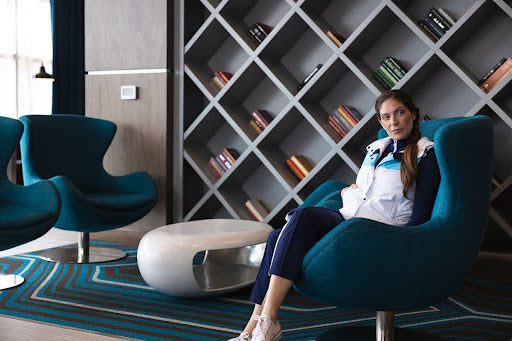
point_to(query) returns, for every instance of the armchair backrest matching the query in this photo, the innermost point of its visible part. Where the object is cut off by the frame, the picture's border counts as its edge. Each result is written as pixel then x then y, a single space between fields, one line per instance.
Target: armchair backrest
pixel 464 151
pixel 69 145
pixel 10 132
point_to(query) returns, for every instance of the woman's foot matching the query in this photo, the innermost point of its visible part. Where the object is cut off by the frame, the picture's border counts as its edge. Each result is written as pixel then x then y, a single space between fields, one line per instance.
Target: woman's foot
pixel 266 330
pixel 244 336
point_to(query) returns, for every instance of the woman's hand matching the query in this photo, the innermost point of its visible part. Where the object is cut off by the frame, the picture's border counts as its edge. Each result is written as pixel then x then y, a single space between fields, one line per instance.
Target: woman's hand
pixel 345 189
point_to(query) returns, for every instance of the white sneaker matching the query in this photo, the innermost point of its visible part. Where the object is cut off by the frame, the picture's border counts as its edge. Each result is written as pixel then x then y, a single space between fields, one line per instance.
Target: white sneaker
pixel 266 330
pixel 244 336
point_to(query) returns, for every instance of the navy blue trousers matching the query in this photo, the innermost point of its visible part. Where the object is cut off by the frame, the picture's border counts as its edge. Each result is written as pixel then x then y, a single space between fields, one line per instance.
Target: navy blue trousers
pixel 287 246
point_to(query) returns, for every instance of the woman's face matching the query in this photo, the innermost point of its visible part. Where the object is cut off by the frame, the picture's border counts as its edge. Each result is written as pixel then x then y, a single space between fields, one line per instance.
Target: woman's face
pixel 396 119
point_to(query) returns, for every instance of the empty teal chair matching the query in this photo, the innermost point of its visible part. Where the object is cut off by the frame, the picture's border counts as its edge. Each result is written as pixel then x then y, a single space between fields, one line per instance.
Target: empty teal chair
pixel 26 212
pixel 68 150
pixel 364 264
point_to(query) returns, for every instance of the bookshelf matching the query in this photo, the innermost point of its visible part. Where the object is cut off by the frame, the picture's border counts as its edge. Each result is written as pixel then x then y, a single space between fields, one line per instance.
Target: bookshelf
pixel 442 77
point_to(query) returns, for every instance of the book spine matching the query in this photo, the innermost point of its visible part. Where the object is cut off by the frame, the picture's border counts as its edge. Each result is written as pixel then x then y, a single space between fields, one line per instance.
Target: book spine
pixel 255 126
pixel 394 69
pixel 389 75
pixel 302 164
pixel 397 64
pixel 225 76
pixel 491 71
pixel 338 126
pixel 433 27
pixel 294 169
pixel 377 77
pixel 262 28
pixel 308 78
pixel 388 81
pixel 342 122
pixel 500 73
pixel 428 31
pixel 253 32
pixel 357 115
pixel 215 166
pixel 335 127
pixel 217 83
pixel 438 20
pixel 258 119
pixel 334 38
pixel 349 114
pixel 441 19
pixel 446 16
pixel 221 164
pixel 265 27
pixel 265 116
pixel 232 153
pixel 225 159
pixel 259 206
pixel 250 208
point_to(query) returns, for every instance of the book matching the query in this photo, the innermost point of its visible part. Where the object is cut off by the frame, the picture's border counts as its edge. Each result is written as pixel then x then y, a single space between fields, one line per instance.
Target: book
pixel 264 115
pixel 254 36
pixel 221 164
pixel 399 67
pixel 255 115
pixel 432 26
pixel 215 166
pixel 255 126
pixel 231 153
pixel 335 37
pixel 388 74
pixel 308 78
pixel 385 78
pixel 224 76
pixel 302 164
pixel 349 113
pixel 446 16
pixel 294 169
pixel 264 28
pixel 260 33
pixel 357 115
pixel 257 209
pixel 225 159
pixel 335 126
pixel 438 19
pixel 381 81
pixel 397 71
pixel 342 121
pixel 497 76
pixel 428 31
pixel 491 71
pixel 347 116
pixel 218 83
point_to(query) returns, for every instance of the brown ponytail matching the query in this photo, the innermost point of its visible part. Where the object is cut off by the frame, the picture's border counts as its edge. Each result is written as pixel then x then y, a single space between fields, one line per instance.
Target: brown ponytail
pixel 409 163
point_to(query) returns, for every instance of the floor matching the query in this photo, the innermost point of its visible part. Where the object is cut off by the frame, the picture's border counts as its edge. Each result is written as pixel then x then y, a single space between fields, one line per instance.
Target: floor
pixel 488 266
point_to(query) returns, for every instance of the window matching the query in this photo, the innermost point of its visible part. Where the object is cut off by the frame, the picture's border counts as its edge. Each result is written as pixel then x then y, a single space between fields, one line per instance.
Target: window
pixel 25 43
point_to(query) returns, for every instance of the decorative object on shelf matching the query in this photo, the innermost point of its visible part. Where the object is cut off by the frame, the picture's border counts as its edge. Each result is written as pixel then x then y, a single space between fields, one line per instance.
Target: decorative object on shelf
pixel 308 78
pixel 496 74
pixel 42 74
pixel 256 209
pixel 258 32
pixel 221 78
pixel 223 162
pixel 436 23
pixel 335 37
pixel 299 165
pixel 389 72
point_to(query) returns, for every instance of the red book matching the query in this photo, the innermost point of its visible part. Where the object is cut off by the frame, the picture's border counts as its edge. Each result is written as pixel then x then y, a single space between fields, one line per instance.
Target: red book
pixel 224 76
pixel 259 119
pixel 336 127
pixel 215 166
pixel 295 169
pixel 345 113
pixel 497 76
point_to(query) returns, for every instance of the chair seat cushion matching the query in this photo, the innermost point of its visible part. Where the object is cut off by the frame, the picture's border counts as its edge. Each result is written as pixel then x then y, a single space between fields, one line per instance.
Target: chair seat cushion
pixel 12 217
pixel 118 201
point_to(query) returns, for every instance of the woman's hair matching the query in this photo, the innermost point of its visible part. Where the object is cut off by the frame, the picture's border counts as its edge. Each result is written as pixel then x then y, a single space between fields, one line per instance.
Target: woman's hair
pixel 409 163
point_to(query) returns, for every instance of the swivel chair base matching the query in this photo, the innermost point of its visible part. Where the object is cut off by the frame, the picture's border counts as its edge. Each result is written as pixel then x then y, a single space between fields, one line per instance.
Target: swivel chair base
pixel 10 281
pixel 82 253
pixel 384 331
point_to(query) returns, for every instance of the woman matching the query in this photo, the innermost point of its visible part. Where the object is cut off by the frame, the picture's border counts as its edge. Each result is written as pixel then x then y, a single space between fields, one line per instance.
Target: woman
pixel 397 185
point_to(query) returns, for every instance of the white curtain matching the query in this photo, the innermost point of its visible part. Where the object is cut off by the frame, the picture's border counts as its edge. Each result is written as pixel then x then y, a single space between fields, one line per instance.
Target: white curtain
pixel 25 43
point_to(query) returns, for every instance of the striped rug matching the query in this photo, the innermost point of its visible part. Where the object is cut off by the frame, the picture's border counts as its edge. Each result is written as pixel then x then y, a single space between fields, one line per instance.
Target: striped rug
pixel 113 299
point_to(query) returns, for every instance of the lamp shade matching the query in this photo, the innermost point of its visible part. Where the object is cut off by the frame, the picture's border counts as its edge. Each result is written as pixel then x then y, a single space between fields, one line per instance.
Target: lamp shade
pixel 42 74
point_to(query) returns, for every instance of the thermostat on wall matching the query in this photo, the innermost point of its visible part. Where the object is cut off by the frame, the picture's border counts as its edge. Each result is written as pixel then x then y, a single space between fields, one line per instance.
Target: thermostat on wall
pixel 128 92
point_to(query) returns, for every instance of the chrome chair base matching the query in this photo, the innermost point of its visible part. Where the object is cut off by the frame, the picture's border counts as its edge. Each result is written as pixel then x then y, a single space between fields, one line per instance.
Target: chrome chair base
pixel 10 281
pixel 73 255
pixel 367 333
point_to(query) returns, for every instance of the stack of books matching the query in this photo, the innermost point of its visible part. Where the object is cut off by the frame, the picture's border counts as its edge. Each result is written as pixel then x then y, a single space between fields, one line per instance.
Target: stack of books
pixel 335 37
pixel 299 166
pixel 308 78
pixel 222 162
pixel 496 74
pixel 258 32
pixel 260 120
pixel 389 72
pixel 343 119
pixel 256 209
pixel 221 78
pixel 437 23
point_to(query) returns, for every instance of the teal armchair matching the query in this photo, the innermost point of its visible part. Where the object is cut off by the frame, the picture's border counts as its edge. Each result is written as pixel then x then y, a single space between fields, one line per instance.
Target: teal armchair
pixel 26 212
pixel 68 150
pixel 364 264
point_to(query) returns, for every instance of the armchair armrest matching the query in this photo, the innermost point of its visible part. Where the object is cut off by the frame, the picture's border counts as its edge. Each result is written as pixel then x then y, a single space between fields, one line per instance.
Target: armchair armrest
pixel 329 190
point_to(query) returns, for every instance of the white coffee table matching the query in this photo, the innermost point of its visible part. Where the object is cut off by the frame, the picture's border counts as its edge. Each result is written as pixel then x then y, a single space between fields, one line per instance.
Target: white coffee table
pixel 234 249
